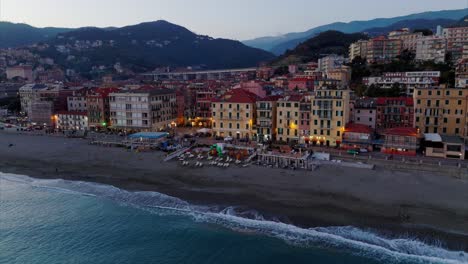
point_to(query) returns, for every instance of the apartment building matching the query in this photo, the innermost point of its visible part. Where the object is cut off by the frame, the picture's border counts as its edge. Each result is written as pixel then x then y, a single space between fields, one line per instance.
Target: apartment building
pixel 77 101
pixel 27 94
pixel 407 80
pixel 266 118
pixel 330 114
pixel 98 107
pixel 143 110
pixel 330 62
pixel 358 49
pixel 441 110
pixel 234 115
pixel 456 38
pixel 431 48
pixel 287 118
pixel 394 112
pixel 409 40
pixel 68 120
pixel 382 50
pixel 364 112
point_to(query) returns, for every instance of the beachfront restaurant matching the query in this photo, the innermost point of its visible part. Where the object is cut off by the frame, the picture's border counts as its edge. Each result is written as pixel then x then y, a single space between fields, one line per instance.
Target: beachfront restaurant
pixel 146 140
pixel 441 146
pixel 358 136
pixel 401 141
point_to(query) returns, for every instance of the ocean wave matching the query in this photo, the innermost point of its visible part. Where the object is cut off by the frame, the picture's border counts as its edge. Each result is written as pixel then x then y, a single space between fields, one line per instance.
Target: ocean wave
pixel 366 243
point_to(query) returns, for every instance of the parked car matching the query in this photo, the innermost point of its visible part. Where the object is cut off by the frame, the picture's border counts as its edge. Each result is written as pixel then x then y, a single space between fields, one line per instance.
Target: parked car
pixel 353 152
pixel 228 139
pixel 363 150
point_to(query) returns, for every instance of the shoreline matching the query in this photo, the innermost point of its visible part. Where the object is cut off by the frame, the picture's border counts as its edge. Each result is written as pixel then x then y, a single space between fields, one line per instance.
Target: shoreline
pixel 395 201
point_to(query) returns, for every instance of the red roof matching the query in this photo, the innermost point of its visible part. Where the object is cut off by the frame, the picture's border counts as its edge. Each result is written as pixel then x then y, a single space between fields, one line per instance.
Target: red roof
pixel 408 101
pixel 402 131
pixel 358 128
pixel 103 92
pixel 237 96
pixel 271 98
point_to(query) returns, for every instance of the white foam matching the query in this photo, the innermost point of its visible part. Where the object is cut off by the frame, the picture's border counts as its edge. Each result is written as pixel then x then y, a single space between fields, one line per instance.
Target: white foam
pixel 349 239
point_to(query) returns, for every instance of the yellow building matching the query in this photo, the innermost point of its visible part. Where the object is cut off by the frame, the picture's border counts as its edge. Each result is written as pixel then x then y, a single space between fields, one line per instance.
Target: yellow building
pixel 441 110
pixel 287 118
pixel 234 115
pixel 330 114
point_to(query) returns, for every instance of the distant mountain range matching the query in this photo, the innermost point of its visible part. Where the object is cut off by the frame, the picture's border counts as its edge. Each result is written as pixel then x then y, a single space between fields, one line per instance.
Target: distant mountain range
pixel 16 35
pixel 146 46
pixel 328 42
pixel 279 44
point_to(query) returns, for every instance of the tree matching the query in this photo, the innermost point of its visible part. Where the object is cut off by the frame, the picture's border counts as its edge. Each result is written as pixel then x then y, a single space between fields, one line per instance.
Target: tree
pixel 425 31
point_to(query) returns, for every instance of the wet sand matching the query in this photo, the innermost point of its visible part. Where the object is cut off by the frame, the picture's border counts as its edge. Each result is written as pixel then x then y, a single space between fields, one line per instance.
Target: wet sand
pixel 427 204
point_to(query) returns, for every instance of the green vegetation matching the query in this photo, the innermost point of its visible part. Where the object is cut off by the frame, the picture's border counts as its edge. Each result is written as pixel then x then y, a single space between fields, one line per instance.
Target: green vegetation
pixel 329 42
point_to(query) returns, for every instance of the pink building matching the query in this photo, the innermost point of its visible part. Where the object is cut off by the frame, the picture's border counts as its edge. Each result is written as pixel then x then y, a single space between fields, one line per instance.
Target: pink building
pixel 254 87
pixel 301 84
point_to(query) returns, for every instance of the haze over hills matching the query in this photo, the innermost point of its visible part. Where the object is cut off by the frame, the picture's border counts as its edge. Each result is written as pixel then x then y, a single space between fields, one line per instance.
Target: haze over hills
pixel 148 45
pixel 279 44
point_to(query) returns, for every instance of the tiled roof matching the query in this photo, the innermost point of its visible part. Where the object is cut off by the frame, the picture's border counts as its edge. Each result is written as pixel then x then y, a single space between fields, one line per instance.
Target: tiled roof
pixel 237 96
pixel 358 128
pixel 407 100
pixel 402 131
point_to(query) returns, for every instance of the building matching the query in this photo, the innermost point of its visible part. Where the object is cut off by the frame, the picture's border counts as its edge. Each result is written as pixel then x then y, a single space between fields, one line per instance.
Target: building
pixel 42 113
pixel 407 81
pixel 447 147
pixel 342 74
pixel 330 114
pixel 431 48
pixel 358 49
pixel 67 120
pixel 330 62
pixel 143 110
pixel 266 118
pixel 98 107
pixel 24 72
pixel 401 141
pixel 77 101
pixel 255 87
pixel 301 84
pixel 461 74
pixel 441 110
pixel 9 90
pixel 287 118
pixel 358 136
pixel 394 112
pixel 456 38
pixel 305 113
pixel 409 40
pixel 203 99
pixel 382 50
pixel 364 112
pixel 234 115
pixel 28 93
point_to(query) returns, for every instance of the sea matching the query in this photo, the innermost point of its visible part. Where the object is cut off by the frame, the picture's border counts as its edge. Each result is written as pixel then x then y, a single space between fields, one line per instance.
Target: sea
pixel 59 221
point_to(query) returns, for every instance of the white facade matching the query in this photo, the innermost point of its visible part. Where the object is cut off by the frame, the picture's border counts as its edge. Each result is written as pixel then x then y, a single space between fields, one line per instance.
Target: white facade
pixel 330 62
pixel 431 48
pixel 72 121
pixel 130 110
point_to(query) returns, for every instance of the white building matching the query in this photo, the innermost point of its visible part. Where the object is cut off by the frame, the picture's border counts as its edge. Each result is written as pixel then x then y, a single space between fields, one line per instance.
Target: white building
pixel 358 49
pixel 77 121
pixel 77 101
pixel 330 62
pixel 28 94
pixel 431 48
pixel 143 110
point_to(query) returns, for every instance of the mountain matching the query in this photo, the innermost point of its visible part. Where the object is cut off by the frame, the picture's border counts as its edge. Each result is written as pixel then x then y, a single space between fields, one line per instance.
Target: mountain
pixel 149 45
pixel 411 24
pixel 16 35
pixel 461 23
pixel 280 44
pixel 328 42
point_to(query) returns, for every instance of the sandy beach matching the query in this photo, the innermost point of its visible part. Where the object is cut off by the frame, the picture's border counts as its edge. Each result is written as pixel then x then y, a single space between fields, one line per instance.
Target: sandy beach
pixel 421 202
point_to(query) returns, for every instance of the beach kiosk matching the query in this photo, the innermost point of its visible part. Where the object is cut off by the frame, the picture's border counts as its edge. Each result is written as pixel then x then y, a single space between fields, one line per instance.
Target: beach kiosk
pixel 146 140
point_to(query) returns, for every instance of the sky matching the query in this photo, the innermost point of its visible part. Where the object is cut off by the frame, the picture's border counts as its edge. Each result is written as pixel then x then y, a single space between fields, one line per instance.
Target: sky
pixel 235 19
